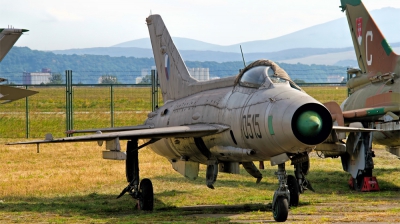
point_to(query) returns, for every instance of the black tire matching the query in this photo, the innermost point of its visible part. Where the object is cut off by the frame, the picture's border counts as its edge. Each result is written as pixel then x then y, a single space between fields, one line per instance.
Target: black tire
pixel 281 209
pixel 305 167
pixel 294 190
pixel 146 196
pixel 359 182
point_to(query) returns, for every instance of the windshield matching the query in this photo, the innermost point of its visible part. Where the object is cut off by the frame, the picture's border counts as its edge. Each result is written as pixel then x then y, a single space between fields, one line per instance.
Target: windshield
pixel 257 76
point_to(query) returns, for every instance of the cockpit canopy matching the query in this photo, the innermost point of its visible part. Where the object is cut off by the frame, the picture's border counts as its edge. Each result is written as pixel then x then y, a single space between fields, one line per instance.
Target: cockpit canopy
pixel 257 76
pixel 263 73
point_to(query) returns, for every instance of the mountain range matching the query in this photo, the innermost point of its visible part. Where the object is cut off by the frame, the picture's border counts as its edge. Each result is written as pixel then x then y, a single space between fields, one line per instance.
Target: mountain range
pixel 332 34
pixel 331 40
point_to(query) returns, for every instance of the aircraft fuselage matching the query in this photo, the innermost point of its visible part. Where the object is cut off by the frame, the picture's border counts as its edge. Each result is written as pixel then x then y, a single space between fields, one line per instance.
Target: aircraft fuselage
pixel 382 96
pixel 260 122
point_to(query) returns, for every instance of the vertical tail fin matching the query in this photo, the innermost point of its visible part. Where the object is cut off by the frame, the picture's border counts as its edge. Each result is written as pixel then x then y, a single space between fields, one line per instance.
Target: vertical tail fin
pixel 172 72
pixel 373 52
pixel 8 37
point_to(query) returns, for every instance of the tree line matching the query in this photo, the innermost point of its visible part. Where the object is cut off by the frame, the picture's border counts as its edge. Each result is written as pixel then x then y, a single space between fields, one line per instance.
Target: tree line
pixel 87 69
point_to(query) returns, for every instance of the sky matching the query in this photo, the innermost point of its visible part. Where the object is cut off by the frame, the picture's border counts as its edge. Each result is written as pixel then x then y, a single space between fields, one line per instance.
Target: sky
pixel 66 24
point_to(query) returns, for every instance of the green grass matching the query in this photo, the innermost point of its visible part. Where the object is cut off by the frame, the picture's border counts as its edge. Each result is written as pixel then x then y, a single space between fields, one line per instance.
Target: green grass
pixel 327 93
pixel 92 108
pixel 70 183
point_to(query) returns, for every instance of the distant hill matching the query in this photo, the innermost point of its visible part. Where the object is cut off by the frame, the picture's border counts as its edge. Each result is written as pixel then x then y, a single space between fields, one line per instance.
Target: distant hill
pixel 328 43
pixel 110 51
pixel 345 58
pixel 181 42
pixel 333 34
pixel 192 55
pixel 324 56
pixel 88 68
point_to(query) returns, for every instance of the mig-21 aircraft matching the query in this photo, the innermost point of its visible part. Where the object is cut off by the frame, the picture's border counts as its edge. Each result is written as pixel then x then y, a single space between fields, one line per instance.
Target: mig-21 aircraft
pixel 258 115
pixel 8 37
pixel 375 94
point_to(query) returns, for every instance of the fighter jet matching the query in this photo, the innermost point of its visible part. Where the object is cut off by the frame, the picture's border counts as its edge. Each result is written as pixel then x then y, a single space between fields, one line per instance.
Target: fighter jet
pixel 258 115
pixel 8 37
pixel 375 93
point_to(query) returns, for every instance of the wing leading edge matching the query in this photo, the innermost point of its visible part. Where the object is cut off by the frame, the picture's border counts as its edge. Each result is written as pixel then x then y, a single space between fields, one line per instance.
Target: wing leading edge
pixel 198 130
pixel 354 129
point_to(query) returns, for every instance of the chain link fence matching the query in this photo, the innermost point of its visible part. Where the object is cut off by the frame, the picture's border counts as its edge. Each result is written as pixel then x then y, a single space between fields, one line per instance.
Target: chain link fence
pixel 61 107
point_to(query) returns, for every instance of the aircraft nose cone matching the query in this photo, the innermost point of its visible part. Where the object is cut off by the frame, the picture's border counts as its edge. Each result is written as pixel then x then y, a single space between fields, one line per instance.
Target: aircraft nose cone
pixel 309 124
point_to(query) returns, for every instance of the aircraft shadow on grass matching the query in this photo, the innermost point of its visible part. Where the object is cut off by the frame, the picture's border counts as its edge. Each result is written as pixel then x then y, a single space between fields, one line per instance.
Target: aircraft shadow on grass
pixel 324 182
pixel 92 205
pixel 96 205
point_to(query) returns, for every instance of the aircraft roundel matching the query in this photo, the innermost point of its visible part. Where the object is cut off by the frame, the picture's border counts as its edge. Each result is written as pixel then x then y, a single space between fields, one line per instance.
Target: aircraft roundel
pixel 166 59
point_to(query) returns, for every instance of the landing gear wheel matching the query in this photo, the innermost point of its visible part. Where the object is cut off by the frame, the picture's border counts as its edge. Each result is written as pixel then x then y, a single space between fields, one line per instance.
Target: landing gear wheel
pixel 305 167
pixel 146 196
pixel 281 209
pixel 358 182
pixel 294 190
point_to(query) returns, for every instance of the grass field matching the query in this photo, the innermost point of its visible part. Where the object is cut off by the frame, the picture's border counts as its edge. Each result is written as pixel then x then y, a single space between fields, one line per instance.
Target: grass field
pixel 92 108
pixel 70 183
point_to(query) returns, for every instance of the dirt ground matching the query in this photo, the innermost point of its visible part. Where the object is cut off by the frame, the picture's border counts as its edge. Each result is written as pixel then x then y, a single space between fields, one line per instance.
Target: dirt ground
pixel 357 212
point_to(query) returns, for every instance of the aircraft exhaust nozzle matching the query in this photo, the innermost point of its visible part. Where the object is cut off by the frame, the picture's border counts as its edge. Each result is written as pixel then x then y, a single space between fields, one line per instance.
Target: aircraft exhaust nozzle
pixel 312 123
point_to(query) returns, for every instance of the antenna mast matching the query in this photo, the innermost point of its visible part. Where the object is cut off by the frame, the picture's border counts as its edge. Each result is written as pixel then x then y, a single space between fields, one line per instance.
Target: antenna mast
pixel 244 63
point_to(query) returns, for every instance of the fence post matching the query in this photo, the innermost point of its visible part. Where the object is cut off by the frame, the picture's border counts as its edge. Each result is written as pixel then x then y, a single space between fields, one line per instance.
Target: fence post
pixel 348 89
pixel 26 115
pixel 112 104
pixel 68 101
pixel 154 90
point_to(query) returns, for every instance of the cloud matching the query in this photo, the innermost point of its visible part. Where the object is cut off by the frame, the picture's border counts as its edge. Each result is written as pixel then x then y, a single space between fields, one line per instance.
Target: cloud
pixel 63 15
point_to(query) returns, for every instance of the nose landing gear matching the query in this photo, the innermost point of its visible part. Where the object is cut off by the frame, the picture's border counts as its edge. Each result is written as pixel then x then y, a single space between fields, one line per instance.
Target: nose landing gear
pixel 280 205
pixel 290 187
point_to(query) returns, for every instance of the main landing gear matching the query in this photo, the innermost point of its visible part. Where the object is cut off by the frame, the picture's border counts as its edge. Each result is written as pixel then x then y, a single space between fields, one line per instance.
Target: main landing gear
pixel 358 161
pixel 142 192
pixel 290 187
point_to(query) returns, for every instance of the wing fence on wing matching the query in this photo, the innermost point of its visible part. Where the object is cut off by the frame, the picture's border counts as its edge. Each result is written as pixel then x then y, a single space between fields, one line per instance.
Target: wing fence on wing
pixel 114 129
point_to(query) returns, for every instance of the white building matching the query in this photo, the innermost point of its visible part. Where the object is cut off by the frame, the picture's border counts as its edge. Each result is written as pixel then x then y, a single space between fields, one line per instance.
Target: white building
pixel 143 73
pixel 111 77
pixel 335 78
pixel 201 74
pixel 138 80
pixel 37 78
